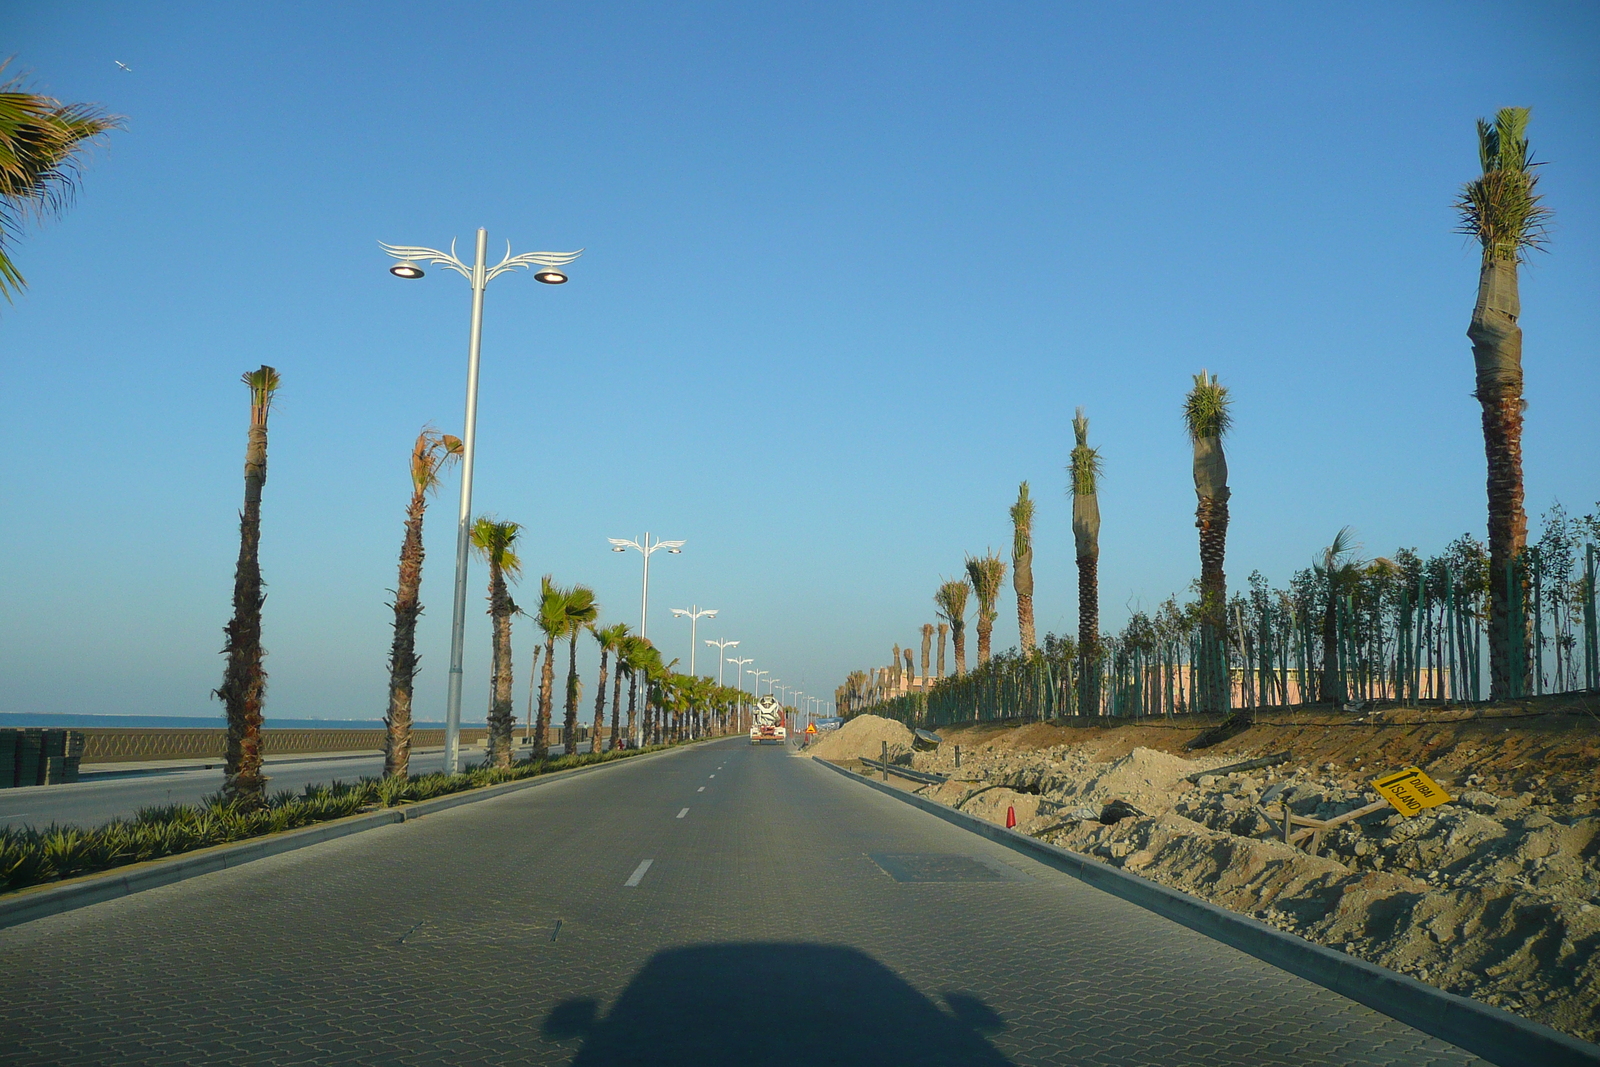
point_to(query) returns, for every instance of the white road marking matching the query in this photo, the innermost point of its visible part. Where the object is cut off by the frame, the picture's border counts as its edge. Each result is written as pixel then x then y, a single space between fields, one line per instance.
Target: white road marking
pixel 702 789
pixel 682 813
pixel 713 776
pixel 638 874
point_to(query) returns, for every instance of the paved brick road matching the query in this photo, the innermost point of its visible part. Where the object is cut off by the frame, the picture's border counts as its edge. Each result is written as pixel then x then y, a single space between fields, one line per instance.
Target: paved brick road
pixel 762 932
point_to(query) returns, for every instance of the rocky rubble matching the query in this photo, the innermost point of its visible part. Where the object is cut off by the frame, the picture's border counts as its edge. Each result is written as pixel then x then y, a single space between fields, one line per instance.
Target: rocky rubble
pixel 1489 896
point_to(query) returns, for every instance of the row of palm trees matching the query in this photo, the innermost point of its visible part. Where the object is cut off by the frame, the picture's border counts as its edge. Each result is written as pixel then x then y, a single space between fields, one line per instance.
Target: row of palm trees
pixel 1502 210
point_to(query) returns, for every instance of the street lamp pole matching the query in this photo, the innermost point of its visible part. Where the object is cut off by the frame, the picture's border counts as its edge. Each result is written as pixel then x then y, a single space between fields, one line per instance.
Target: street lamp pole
pixel 646 549
pixel 741 661
pixel 722 654
pixel 694 614
pixel 480 274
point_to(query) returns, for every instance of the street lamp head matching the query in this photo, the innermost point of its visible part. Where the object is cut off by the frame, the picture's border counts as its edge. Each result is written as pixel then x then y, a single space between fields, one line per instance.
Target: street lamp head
pixel 406 269
pixel 550 276
pixel 619 548
pixel 675 551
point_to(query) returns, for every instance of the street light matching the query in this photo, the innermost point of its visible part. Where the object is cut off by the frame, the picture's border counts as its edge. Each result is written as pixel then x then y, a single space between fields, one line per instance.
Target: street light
pixel 740 686
pixel 646 549
pixel 480 274
pixel 757 676
pixel 722 654
pixel 694 615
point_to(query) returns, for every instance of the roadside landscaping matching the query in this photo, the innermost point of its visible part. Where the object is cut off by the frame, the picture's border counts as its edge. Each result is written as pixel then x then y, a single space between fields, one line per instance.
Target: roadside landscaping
pixel 31 857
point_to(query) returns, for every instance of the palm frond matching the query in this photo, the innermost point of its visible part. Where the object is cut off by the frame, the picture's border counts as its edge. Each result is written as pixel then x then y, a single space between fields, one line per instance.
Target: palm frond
pixel 1502 208
pixel 1085 465
pixel 495 543
pixel 987 573
pixel 1022 521
pixel 1206 409
pixel 951 600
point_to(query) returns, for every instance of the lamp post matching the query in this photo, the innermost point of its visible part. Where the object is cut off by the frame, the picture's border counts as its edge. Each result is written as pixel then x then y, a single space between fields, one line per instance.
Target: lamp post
pixel 722 654
pixel 772 686
pixel 757 683
pixel 480 274
pixel 741 661
pixel 694 615
pixel 646 549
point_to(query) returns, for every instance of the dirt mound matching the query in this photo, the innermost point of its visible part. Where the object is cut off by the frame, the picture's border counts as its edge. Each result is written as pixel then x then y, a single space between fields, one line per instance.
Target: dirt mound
pixel 864 735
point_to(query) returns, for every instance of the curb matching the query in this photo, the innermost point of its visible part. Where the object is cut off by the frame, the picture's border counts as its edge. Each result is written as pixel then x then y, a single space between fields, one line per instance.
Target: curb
pixel 54 898
pixel 1492 1033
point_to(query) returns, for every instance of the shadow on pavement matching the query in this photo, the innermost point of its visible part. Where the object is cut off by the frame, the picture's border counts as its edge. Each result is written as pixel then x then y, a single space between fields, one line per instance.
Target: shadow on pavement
pixel 776 1005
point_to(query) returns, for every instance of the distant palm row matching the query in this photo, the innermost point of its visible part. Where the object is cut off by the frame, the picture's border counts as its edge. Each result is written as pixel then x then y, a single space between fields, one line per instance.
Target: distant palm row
pixel 675 706
pixel 1502 210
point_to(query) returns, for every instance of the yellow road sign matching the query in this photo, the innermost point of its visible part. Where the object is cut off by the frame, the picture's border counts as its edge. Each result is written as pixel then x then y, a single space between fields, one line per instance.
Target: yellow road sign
pixel 1410 791
pixel 811 728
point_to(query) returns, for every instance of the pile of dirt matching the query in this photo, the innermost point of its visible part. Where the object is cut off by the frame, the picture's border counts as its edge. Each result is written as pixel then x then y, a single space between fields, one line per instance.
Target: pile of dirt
pixel 864 735
pixel 1490 896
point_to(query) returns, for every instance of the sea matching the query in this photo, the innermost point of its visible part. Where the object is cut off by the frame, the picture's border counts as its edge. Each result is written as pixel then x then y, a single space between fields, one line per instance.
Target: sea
pixel 186 722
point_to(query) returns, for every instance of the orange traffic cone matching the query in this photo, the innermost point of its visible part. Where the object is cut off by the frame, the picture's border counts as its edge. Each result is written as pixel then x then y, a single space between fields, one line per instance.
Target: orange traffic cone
pixel 1011 817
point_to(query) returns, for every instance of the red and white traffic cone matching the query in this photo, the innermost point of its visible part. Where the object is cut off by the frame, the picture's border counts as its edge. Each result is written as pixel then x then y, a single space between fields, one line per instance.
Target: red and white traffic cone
pixel 1011 817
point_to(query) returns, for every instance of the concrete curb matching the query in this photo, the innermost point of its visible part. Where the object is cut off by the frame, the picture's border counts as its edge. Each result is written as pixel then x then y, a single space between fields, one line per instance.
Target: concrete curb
pixel 53 898
pixel 1498 1036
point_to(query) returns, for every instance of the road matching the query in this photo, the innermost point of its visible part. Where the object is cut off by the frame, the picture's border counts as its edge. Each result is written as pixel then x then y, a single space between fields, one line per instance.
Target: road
pixel 100 798
pixel 719 904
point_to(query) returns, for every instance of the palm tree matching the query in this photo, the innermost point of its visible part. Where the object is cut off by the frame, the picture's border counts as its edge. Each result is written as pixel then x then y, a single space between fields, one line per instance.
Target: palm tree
pixel 927 645
pixel 944 628
pixel 623 651
pixel 1339 572
pixel 1501 209
pixel 244 681
pixel 495 542
pixel 1022 566
pixel 42 142
pixel 609 639
pixel 1085 471
pixel 429 456
pixel 951 600
pixel 581 611
pixel 987 574
pixel 1207 417
pixel 551 618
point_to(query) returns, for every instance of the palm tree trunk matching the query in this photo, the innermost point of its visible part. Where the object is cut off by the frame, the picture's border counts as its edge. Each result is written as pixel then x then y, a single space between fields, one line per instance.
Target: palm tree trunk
pixel 403 653
pixel 1088 634
pixel 500 608
pixel 958 637
pixel 244 681
pixel 569 726
pixel 1497 353
pixel 599 704
pixel 943 629
pixel 541 730
pixel 985 632
pixel 1211 517
pixel 633 704
pixel 616 710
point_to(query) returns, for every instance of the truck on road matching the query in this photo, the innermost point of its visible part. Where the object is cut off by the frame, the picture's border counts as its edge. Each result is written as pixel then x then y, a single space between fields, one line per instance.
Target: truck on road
pixel 766 722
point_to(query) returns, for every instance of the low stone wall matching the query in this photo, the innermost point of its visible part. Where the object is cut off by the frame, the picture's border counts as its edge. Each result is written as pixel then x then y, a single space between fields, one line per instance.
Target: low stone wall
pixel 137 745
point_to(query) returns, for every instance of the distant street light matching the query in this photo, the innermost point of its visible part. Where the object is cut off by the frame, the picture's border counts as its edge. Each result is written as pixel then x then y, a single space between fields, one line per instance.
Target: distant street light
pixel 646 549
pixel 740 686
pixel 694 615
pixel 757 684
pixel 480 274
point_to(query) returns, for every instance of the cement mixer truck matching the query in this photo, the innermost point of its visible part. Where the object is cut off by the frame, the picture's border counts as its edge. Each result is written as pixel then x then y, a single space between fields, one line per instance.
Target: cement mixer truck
pixel 766 722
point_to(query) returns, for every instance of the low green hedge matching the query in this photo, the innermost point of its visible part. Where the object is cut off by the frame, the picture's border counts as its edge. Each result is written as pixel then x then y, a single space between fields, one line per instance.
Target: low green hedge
pixel 31 857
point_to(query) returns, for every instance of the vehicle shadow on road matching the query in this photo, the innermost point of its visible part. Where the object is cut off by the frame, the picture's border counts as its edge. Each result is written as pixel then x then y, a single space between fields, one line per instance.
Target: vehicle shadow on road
pixel 776 1005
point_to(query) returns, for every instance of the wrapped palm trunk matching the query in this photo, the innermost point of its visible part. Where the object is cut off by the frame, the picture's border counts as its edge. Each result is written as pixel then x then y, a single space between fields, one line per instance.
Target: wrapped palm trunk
pixel 1022 568
pixel 1497 353
pixel 244 680
pixel 403 654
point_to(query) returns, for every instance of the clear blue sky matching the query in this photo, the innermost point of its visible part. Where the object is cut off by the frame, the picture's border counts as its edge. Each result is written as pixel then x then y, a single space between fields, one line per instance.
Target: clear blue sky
pixel 849 270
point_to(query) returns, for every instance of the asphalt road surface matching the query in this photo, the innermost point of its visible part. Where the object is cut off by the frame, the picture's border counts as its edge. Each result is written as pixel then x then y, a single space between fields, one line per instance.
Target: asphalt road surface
pixel 100 798
pixel 720 904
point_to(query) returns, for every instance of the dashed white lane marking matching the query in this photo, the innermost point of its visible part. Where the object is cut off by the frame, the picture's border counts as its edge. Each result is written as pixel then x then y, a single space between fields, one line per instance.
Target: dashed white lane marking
pixel 638 875
pixel 682 813
pixel 713 776
pixel 702 789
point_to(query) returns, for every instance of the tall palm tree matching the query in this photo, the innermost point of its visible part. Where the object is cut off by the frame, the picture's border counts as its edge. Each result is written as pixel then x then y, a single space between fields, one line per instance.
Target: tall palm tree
pixel 1339 572
pixel 495 543
pixel 987 574
pixel 1022 567
pixel 622 652
pixel 581 611
pixel 927 646
pixel 551 618
pixel 42 143
pixel 1502 209
pixel 944 628
pixel 429 456
pixel 609 638
pixel 1207 416
pixel 244 681
pixel 1085 471
pixel 951 600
